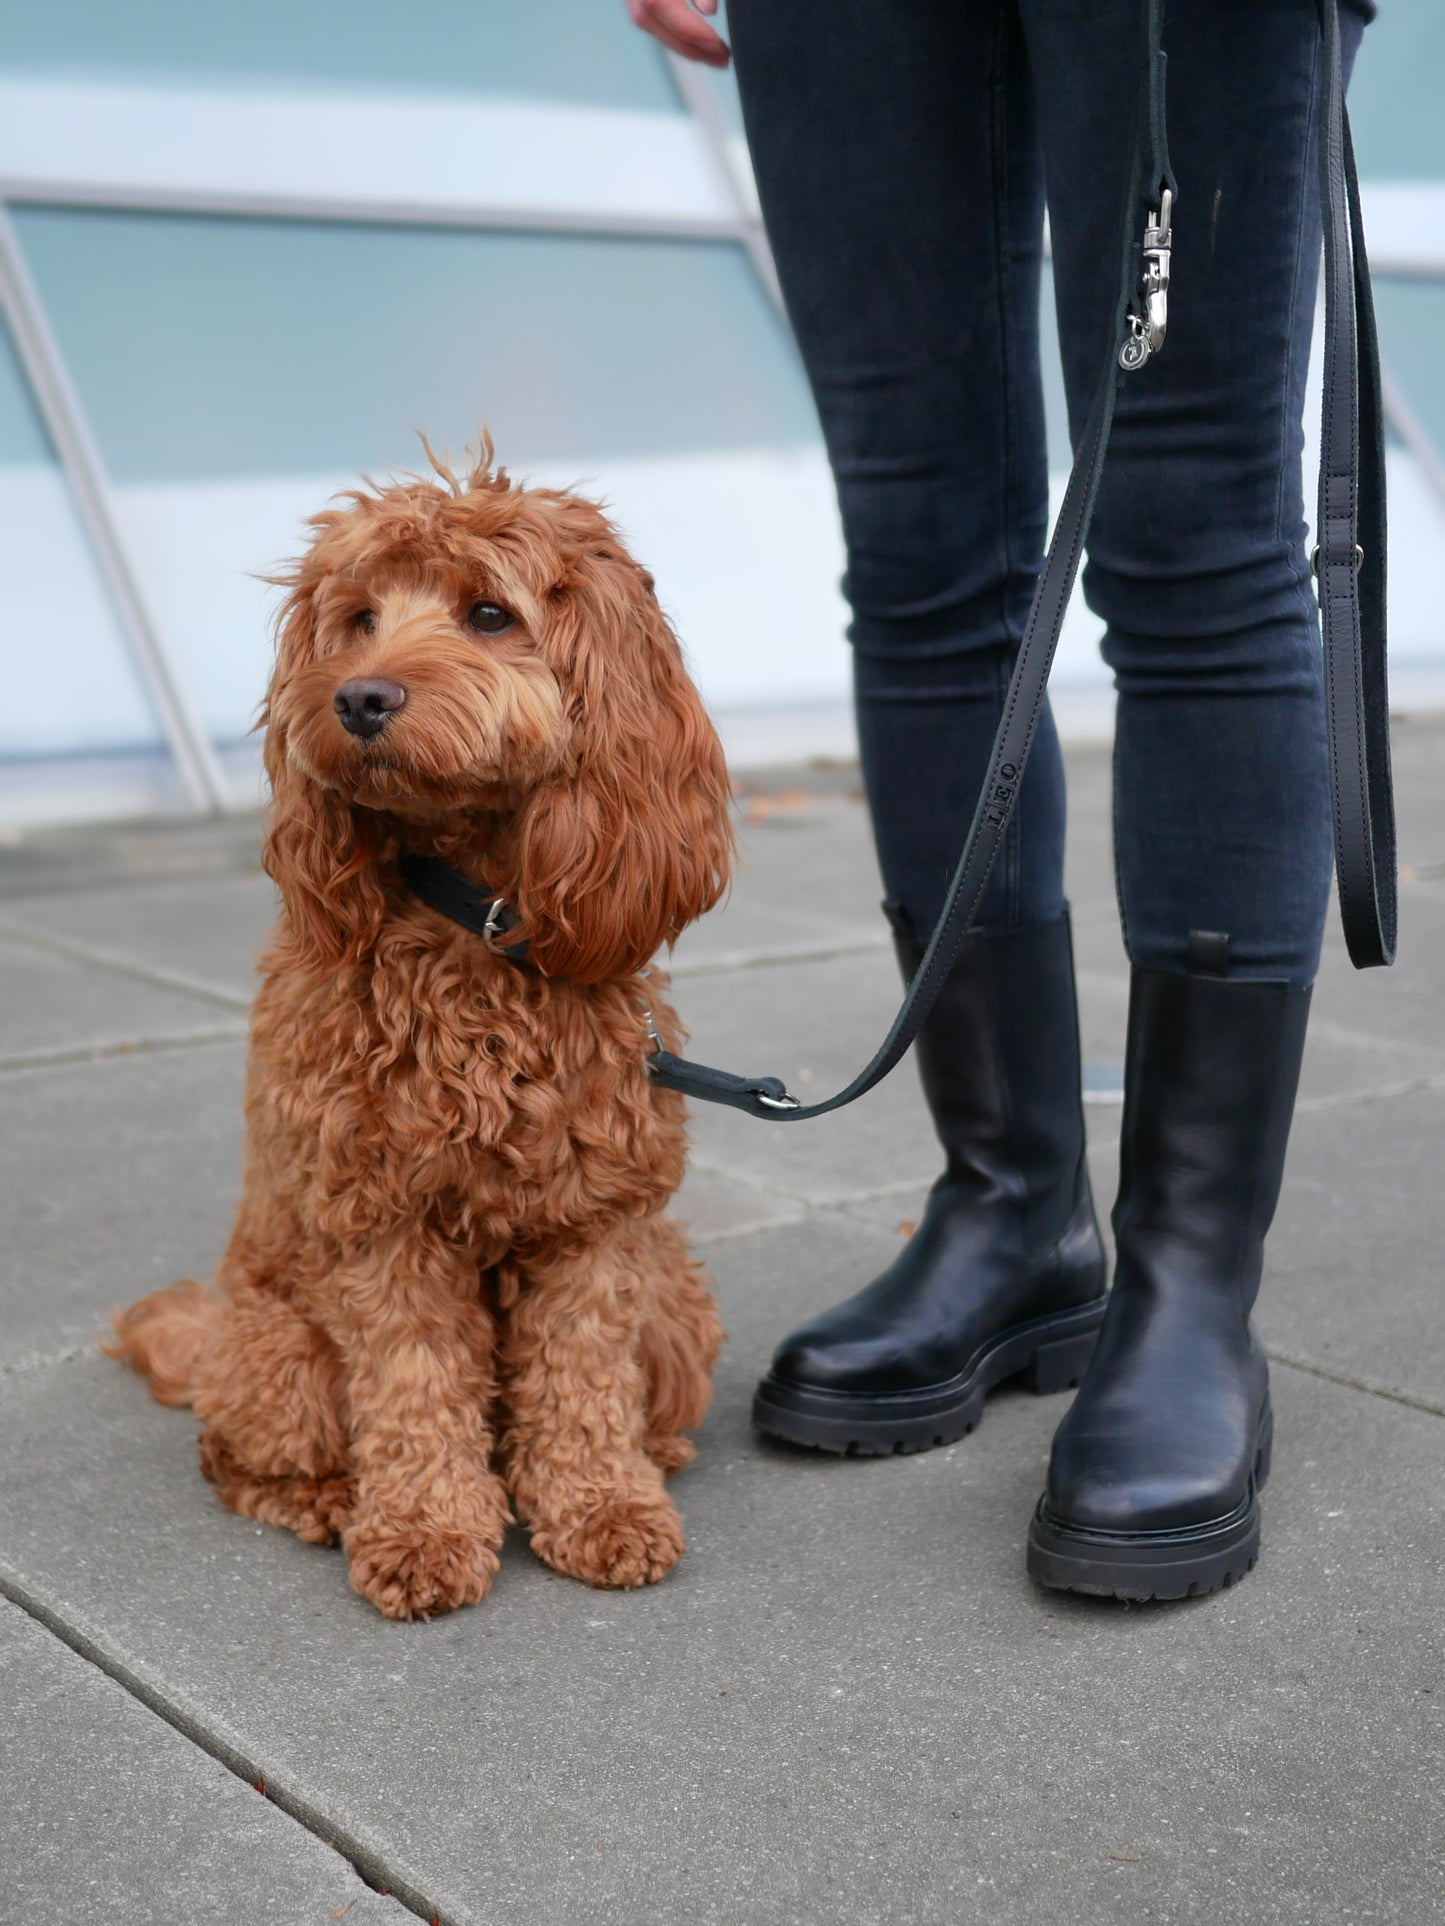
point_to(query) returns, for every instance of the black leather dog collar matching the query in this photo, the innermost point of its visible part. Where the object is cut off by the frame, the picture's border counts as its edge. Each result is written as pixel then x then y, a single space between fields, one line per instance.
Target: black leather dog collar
pixel 457 897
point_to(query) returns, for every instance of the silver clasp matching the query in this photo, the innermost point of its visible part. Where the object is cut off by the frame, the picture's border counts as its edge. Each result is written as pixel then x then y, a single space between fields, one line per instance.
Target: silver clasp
pixel 653 1035
pixel 1149 318
pixel 785 1102
pixel 492 928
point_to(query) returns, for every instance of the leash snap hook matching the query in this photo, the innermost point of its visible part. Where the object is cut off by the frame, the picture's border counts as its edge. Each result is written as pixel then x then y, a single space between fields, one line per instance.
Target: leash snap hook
pixel 785 1102
pixel 494 927
pixel 1149 317
pixel 653 1035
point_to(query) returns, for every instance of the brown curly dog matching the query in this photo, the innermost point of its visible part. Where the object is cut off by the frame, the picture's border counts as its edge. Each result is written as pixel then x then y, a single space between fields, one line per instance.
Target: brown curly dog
pixel 451 1287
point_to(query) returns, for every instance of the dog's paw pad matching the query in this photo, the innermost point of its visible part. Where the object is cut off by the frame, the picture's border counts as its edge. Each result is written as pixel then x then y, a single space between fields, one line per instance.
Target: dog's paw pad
pixel 414 1573
pixel 622 1544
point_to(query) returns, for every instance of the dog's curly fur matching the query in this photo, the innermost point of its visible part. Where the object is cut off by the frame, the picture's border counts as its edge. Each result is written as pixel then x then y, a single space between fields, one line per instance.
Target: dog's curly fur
pixel 451 1287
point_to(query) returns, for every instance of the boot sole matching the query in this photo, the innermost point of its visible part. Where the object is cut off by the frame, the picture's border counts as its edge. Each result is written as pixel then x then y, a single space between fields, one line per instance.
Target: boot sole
pixel 1148 1565
pixel 1049 1354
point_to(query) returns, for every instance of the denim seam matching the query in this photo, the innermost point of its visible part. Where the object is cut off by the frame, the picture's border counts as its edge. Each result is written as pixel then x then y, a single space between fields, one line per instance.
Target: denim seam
pixel 1002 232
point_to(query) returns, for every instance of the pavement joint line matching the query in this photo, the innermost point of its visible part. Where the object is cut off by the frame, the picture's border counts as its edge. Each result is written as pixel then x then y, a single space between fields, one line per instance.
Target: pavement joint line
pixel 64 1056
pixel 1380 1093
pixel 705 1240
pixel 120 965
pixel 364 1859
pixel 732 1174
pixel 729 962
pixel 1346 1033
pixel 1351 1381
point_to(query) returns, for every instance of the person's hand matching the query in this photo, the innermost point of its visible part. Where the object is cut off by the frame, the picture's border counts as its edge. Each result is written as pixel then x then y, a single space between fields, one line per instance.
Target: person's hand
pixel 679 26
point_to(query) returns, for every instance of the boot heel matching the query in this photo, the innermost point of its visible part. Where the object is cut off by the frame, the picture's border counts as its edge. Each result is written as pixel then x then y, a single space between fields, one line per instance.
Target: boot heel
pixel 1060 1366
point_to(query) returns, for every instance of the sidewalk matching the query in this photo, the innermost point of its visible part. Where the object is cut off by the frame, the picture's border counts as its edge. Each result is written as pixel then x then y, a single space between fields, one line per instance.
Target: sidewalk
pixel 848 1704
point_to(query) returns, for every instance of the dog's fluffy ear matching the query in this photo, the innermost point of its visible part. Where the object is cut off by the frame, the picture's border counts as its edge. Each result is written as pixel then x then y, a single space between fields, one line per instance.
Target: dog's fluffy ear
pixel 632 841
pixel 316 851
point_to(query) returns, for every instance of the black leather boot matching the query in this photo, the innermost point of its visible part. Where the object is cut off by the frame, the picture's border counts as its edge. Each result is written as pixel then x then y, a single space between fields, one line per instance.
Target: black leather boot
pixel 1005 1274
pixel 1153 1488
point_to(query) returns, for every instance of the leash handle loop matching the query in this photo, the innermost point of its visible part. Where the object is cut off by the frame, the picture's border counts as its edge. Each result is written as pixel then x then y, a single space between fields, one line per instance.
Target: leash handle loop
pixel 1350 564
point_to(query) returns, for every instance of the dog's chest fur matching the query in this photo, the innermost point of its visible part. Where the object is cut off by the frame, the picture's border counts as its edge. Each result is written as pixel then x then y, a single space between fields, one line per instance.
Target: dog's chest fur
pixel 436 1077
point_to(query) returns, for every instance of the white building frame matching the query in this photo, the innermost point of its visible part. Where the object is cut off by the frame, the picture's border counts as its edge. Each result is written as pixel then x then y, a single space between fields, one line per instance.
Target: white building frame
pixel 731 217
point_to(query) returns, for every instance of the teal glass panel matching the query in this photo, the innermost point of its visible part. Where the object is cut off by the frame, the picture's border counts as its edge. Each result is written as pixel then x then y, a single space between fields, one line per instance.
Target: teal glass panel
pixel 23 440
pixel 237 373
pixel 228 348
pixel 563 50
pixel 1411 317
pixel 69 682
pixel 1395 94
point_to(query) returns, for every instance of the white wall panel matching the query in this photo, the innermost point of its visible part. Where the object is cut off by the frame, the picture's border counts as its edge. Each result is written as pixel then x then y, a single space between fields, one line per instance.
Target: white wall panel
pixel 448 153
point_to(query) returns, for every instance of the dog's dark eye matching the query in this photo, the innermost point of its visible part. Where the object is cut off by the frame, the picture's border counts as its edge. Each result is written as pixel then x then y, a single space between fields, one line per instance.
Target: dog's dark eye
pixel 489 618
pixel 365 620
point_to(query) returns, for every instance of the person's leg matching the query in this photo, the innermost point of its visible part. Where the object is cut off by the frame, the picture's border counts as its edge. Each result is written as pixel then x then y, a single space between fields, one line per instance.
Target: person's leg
pixel 896 157
pixel 1196 555
pixel 1222 826
pixel 897 161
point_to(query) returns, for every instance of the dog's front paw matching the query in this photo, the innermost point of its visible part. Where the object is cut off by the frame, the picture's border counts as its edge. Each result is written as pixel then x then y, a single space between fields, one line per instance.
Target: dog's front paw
pixel 627 1541
pixel 415 1571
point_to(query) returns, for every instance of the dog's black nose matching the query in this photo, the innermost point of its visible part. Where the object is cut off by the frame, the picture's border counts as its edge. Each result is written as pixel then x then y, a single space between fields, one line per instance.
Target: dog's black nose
pixel 365 706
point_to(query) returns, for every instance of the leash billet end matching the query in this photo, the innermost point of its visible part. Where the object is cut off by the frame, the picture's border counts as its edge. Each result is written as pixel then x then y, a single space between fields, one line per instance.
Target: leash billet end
pixel 759 1096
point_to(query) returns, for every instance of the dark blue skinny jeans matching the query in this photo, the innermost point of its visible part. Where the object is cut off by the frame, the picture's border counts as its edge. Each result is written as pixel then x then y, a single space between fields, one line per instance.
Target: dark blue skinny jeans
pixel 903 149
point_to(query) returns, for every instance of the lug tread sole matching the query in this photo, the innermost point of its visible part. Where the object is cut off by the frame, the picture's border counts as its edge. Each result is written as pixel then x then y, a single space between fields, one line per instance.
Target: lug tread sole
pixel 1049 1354
pixel 1144 1572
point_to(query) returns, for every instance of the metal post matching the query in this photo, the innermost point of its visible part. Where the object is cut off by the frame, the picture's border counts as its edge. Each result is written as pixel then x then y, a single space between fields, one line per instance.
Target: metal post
pixel 200 771
pixel 702 103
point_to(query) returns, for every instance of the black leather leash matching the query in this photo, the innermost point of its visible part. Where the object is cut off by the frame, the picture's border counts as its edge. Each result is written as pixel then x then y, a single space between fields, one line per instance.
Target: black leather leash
pixel 1350 556
pixel 1351 524
pixel 1139 323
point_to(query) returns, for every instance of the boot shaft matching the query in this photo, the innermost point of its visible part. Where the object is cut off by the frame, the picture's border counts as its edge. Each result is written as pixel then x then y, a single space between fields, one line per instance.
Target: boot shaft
pixel 1211 1071
pixel 998 1057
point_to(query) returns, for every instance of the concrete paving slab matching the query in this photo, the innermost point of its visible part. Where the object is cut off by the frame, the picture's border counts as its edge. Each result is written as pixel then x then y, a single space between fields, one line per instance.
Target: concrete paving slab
pixel 1355 1258
pixel 742 934
pixel 821 855
pixel 1417 755
pixel 92 855
pixel 847 1705
pixel 213 926
pixel 814 1025
pixel 148 1182
pixel 119 1176
pixel 713 1205
pixel 51 1003
pixel 209 927
pixel 1401 1004
pixel 113 1818
pixel 1352 1266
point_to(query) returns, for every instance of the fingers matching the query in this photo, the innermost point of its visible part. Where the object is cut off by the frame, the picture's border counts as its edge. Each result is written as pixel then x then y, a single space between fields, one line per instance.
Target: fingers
pixel 680 27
